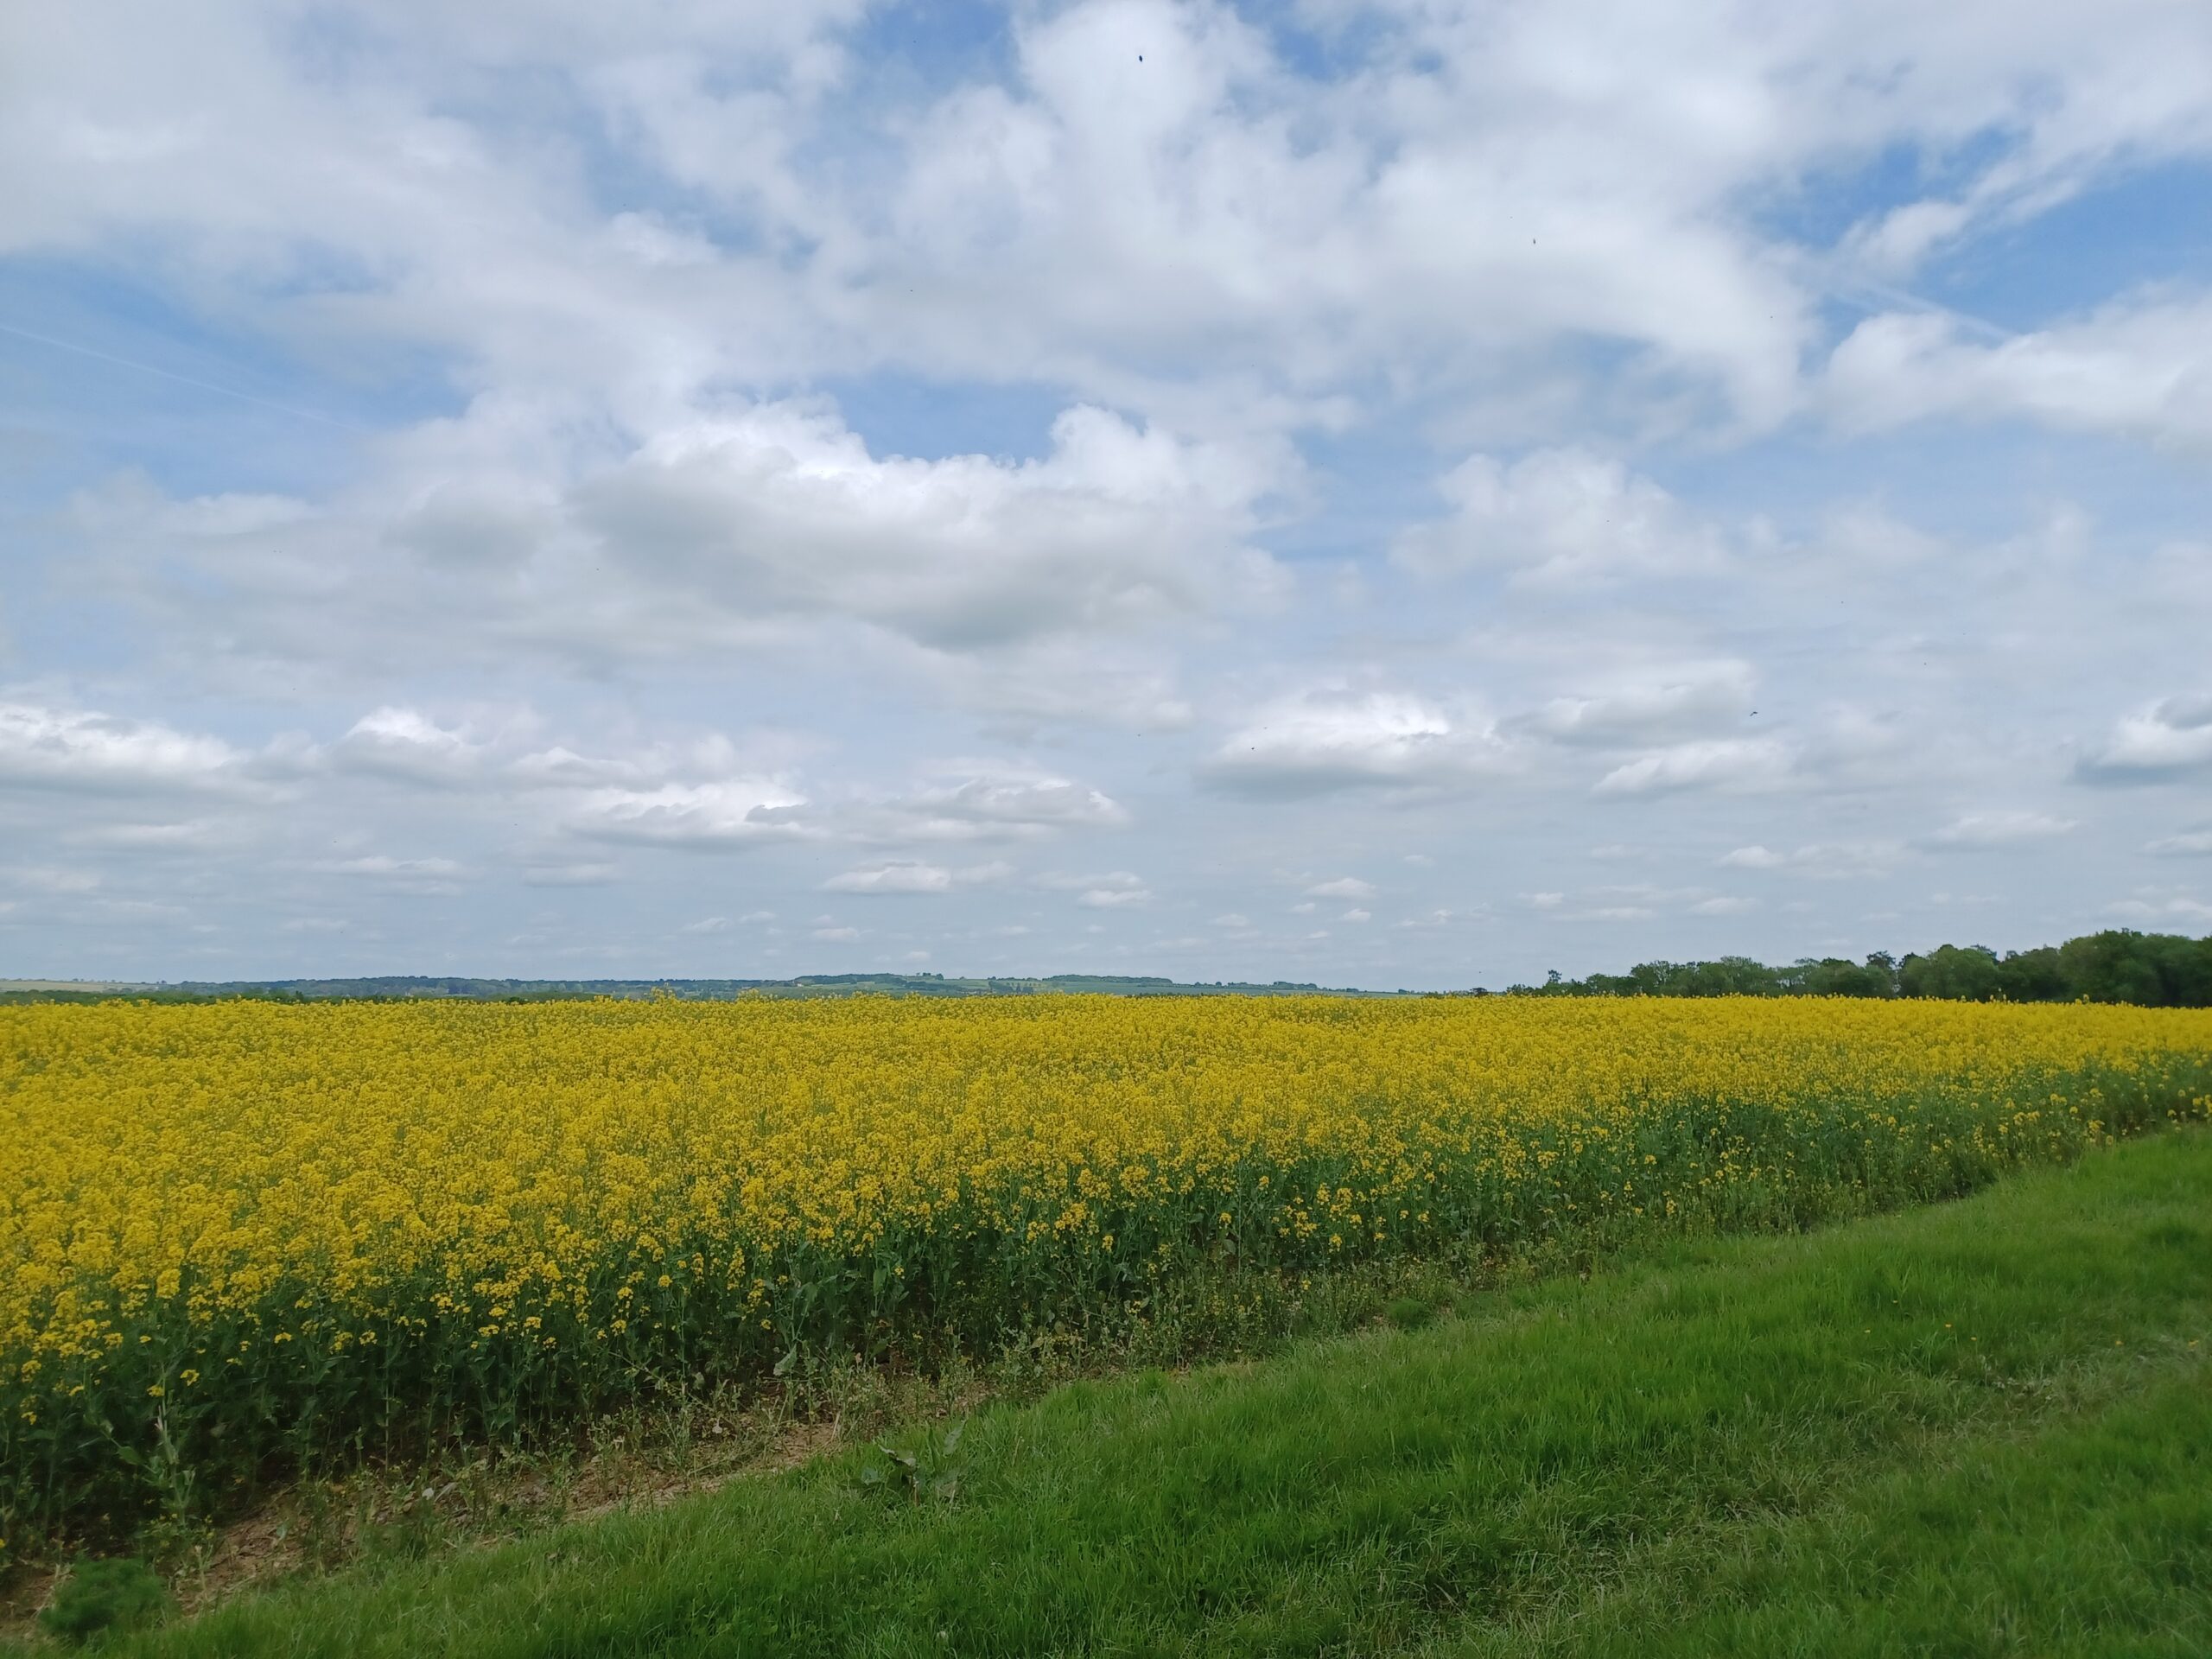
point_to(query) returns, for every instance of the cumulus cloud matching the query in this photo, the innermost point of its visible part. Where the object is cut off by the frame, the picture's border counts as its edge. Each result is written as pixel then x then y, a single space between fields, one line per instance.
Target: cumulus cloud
pixel 2169 739
pixel 1113 898
pixel 728 813
pixel 2140 367
pixel 1693 698
pixel 778 510
pixel 708 792
pixel 72 749
pixel 407 744
pixel 1981 831
pixel 1006 805
pixel 766 526
pixel 426 876
pixel 1755 858
pixel 1559 515
pixel 1345 886
pixel 2174 911
pixel 587 873
pixel 1431 921
pixel 1113 890
pixel 1826 860
pixel 1636 902
pixel 1329 741
pixel 2195 843
pixel 45 878
pixel 910 876
pixel 1732 764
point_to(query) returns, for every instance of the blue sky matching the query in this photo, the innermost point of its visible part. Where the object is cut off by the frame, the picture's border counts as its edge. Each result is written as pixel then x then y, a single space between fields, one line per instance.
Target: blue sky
pixel 1400 494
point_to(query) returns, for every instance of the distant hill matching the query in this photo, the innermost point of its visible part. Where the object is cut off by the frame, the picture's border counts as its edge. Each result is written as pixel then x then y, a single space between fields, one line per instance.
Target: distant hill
pixel 407 986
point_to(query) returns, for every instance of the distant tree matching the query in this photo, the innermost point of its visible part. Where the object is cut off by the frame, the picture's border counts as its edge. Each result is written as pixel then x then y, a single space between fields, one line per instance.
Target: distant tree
pixel 2120 965
pixel 1831 976
pixel 2032 977
pixel 2157 970
pixel 1955 973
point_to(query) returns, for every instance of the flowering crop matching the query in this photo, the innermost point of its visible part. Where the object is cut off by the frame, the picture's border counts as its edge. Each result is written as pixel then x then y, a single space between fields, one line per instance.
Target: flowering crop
pixel 242 1236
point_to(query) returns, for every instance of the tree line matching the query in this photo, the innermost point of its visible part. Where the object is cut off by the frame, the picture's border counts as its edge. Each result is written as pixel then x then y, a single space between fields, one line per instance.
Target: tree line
pixel 2160 971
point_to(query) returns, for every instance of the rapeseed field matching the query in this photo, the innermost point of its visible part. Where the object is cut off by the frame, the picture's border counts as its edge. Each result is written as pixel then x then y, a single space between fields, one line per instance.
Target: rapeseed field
pixel 243 1238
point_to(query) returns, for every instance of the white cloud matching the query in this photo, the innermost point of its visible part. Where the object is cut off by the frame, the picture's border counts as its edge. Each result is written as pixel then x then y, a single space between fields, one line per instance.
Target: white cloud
pixel 1695 698
pixel 589 872
pixel 2170 738
pixel 729 813
pixel 1345 886
pixel 2195 843
pixel 407 744
pixel 1822 860
pixel 45 878
pixel 778 511
pixel 2179 910
pixel 1724 764
pixel 1113 890
pixel 1433 919
pixel 768 525
pixel 1754 858
pixel 2006 828
pixel 908 876
pixel 1559 515
pixel 1113 898
pixel 426 876
pixel 2141 367
pixel 657 795
pixel 1325 742
pixel 67 749
pixel 206 835
pixel 1018 806
pixel 893 878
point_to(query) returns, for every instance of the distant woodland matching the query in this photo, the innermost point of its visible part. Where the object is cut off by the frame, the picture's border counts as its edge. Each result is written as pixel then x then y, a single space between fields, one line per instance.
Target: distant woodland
pixel 2160 971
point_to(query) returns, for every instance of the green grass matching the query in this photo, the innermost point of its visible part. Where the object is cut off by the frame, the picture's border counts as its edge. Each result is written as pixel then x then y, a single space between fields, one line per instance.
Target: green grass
pixel 1982 1427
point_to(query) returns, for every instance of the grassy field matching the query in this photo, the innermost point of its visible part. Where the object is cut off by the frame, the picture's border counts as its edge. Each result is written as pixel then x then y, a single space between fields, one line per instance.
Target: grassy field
pixel 1978 1428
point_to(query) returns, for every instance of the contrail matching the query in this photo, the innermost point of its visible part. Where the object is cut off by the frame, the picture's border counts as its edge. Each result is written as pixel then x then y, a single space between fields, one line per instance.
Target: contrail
pixel 182 379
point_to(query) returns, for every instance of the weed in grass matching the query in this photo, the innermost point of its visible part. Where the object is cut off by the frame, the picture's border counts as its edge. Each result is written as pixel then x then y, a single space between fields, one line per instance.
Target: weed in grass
pixel 927 1469
pixel 1409 1313
pixel 96 1598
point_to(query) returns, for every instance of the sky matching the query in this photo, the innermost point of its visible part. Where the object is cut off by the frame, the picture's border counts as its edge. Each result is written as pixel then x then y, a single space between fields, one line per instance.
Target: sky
pixel 1405 494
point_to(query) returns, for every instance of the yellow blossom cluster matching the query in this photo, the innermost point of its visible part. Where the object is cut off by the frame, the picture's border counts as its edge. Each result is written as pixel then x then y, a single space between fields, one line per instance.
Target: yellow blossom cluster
pixel 247 1233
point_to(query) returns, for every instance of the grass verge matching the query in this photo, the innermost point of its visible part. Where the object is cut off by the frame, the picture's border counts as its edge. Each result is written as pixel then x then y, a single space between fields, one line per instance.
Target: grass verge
pixel 1980 1427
